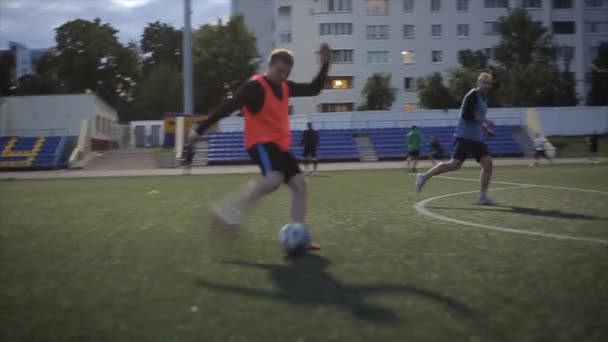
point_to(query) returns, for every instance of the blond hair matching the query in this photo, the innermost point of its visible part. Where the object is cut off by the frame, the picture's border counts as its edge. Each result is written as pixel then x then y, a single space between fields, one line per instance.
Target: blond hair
pixel 282 55
pixel 485 77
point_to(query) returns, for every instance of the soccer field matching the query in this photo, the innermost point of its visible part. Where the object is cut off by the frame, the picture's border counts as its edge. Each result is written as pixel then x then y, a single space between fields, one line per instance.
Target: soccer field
pixel 129 259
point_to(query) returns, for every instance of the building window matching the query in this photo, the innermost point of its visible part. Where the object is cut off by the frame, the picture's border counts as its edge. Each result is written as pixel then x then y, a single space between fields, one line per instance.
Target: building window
pixel 463 30
pixel 532 4
pixel 462 5
pixel 408 5
pixel 594 51
pixel 565 52
pixel 336 107
pixel 339 82
pixel 285 11
pixel 409 84
pixel 409 107
pixel 341 56
pixel 490 28
pixel 437 56
pixel 97 124
pixel 562 3
pixel 377 57
pixel 285 37
pixel 563 27
pixel 377 7
pixel 377 31
pixel 596 3
pixel 596 27
pixel 408 31
pixel 436 31
pixel 338 6
pixel 408 57
pixel 335 29
pixel 435 5
pixel 496 3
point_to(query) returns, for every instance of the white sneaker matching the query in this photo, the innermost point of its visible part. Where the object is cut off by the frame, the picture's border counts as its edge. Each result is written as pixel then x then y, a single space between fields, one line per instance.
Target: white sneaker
pixel 227 215
pixel 485 200
pixel 419 182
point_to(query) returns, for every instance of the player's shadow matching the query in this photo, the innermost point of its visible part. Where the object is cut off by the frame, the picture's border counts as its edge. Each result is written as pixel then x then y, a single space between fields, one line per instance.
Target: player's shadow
pixel 304 281
pixel 528 211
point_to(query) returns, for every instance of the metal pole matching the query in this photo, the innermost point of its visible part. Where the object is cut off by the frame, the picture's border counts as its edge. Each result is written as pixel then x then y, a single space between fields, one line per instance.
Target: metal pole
pixel 187 70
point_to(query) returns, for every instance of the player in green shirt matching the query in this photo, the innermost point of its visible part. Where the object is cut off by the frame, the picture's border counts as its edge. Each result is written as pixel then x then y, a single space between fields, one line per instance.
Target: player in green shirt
pixel 414 140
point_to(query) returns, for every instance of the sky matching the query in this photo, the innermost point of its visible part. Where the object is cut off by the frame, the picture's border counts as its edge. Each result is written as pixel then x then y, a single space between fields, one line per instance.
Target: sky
pixel 32 22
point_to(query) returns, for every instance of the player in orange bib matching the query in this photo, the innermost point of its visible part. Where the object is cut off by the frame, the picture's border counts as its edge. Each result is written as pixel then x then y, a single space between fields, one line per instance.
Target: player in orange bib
pixel 264 102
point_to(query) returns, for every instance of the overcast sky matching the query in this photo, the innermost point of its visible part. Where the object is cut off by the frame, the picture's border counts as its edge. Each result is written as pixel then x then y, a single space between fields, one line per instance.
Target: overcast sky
pixel 32 22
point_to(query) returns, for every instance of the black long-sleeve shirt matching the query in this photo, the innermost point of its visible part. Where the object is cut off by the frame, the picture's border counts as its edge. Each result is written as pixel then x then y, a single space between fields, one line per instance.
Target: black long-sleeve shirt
pixel 251 95
pixel 310 138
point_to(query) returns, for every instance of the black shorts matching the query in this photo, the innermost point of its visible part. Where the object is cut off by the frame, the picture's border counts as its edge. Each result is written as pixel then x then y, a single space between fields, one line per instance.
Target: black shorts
pixel 310 151
pixel 466 147
pixel 269 157
pixel 593 148
pixel 413 153
pixel 540 153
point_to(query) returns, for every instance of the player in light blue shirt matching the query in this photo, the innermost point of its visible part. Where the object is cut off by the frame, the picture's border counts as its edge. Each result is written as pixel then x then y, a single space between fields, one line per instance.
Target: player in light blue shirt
pixel 471 125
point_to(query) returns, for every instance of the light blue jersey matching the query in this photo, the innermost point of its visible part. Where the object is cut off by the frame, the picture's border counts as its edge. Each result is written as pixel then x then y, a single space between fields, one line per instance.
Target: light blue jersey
pixel 471 129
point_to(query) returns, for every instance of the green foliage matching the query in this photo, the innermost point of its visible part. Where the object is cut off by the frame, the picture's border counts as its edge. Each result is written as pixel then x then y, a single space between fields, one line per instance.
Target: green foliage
pixel 378 93
pixel 598 92
pixel 433 94
pixel 224 56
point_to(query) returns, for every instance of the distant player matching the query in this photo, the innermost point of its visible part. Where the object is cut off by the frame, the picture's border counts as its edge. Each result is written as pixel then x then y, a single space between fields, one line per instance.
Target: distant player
pixel 593 142
pixel 468 135
pixel 188 157
pixel 310 140
pixel 414 141
pixel 264 101
pixel 438 152
pixel 539 147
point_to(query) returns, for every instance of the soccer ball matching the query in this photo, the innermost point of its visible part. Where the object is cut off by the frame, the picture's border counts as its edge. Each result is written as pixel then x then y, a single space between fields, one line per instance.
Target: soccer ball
pixel 294 238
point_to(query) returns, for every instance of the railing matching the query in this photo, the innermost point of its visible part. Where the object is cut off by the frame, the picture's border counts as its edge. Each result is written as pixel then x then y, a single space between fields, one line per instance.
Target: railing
pixel 380 123
pixel 34 132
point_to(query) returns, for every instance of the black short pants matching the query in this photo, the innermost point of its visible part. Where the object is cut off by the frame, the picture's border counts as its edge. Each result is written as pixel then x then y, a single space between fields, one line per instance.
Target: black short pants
pixel 465 148
pixel 540 153
pixel 413 153
pixel 593 148
pixel 269 157
pixel 310 151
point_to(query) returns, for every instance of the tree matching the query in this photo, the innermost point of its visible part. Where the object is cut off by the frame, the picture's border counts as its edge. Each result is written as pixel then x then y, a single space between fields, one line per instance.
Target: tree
pixel 433 94
pixel 161 43
pixel 528 71
pixel 7 67
pixel 160 92
pixel 378 93
pixel 473 60
pixel 224 57
pixel 598 91
pixel 90 57
pixel 523 41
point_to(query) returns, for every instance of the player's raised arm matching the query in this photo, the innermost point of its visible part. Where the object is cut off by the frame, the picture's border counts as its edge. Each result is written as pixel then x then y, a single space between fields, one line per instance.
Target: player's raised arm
pixel 249 95
pixel 313 88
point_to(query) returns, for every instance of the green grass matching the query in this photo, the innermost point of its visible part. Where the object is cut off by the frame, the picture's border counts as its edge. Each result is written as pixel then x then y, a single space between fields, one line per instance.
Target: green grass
pixel 575 146
pixel 104 260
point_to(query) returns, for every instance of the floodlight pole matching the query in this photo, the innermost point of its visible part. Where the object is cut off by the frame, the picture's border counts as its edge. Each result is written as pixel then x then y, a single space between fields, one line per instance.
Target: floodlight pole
pixel 187 81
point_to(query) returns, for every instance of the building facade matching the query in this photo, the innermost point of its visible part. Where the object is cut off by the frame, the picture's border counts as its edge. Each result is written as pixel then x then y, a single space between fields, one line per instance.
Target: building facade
pixel 408 39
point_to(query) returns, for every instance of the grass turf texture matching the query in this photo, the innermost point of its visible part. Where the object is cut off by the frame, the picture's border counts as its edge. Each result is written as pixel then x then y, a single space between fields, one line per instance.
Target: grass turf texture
pixel 102 259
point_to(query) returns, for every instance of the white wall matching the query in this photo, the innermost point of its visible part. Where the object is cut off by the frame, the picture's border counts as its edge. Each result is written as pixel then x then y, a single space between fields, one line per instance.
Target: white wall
pixel 104 120
pixel 556 121
pixel 57 115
